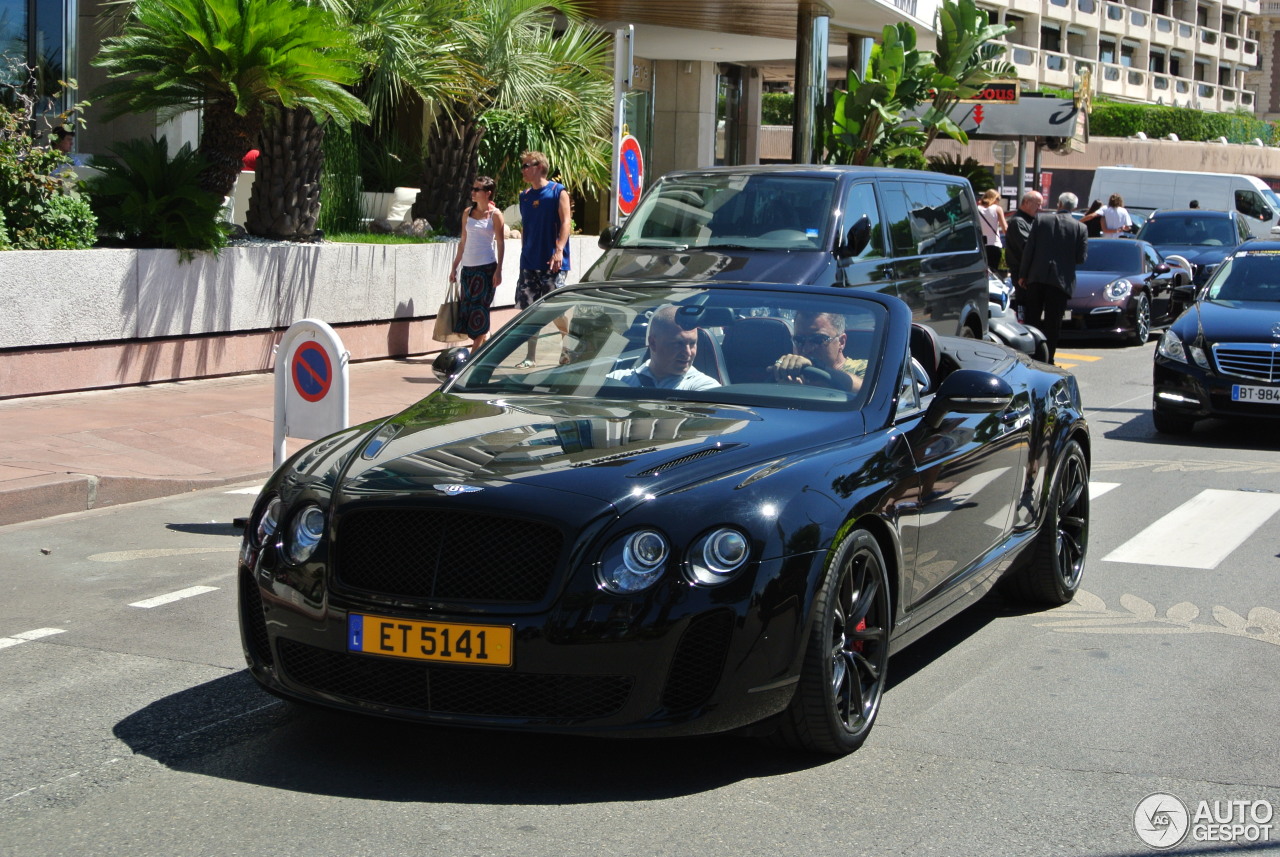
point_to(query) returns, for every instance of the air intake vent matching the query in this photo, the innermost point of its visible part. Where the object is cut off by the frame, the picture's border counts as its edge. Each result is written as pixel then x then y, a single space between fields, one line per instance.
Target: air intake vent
pixel 698 662
pixel 686 459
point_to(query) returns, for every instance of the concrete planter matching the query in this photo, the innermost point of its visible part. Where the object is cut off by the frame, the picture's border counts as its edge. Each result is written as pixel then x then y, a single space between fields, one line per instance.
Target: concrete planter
pixel 80 319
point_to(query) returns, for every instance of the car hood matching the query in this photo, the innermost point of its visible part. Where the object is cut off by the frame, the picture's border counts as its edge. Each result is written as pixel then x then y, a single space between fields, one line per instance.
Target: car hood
pixel 1196 254
pixel 1232 321
pixel 754 266
pixel 1089 285
pixel 618 452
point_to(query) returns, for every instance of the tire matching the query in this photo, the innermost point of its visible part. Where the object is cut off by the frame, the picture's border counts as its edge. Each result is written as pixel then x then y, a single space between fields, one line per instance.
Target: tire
pixel 1052 575
pixel 846 660
pixel 1167 423
pixel 1141 321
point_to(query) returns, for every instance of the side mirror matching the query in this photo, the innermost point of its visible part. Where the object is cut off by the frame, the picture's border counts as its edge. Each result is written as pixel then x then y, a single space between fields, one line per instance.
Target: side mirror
pixel 856 241
pixel 609 237
pixel 968 391
pixel 1162 268
pixel 450 362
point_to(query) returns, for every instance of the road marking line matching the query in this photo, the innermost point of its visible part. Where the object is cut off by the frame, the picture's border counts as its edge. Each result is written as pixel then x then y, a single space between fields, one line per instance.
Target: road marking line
pixel 1097 489
pixel 27 636
pixel 1063 365
pixel 173 596
pixel 1201 532
pixel 154 553
pixel 1087 358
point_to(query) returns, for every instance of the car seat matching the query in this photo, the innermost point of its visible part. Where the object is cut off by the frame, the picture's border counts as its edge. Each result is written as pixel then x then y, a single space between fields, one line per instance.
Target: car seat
pixel 926 351
pixel 752 345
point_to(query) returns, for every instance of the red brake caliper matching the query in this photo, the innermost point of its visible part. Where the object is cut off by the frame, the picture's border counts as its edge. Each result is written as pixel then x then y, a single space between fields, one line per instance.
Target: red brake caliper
pixel 862 626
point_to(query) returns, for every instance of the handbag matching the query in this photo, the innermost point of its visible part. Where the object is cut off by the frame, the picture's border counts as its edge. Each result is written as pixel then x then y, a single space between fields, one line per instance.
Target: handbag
pixel 447 318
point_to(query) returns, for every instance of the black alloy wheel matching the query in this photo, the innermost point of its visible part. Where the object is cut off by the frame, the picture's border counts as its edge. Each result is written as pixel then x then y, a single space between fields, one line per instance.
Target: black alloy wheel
pixel 1141 321
pixel 1052 575
pixel 842 679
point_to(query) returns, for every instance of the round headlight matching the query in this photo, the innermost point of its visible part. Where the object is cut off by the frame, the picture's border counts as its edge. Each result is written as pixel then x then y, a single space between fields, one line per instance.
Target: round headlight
pixel 716 556
pixel 635 563
pixel 1118 290
pixel 307 530
pixel 267 522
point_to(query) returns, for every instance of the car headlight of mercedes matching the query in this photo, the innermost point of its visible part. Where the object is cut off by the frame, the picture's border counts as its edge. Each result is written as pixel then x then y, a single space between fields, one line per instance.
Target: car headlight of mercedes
pixel 1117 290
pixel 1172 348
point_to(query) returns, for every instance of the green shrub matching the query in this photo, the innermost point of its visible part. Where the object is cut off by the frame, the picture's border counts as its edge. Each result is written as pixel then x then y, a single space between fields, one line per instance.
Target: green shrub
pixel 341 207
pixel 776 108
pixel 978 174
pixel 144 199
pixel 4 236
pixel 1113 119
pixel 40 211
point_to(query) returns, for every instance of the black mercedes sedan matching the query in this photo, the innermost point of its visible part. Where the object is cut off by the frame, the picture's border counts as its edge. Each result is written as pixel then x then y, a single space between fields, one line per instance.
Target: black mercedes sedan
pixel 707 508
pixel 1222 356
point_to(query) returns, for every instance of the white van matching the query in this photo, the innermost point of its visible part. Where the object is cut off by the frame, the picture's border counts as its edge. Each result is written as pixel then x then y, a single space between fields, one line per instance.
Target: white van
pixel 1153 189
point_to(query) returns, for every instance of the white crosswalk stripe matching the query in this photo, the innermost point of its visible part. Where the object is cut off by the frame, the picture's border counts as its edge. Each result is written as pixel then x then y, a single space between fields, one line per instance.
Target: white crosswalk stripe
pixel 1200 533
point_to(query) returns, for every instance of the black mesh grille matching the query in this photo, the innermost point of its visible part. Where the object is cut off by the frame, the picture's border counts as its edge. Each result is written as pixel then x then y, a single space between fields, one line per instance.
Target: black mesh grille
pixel 452 691
pixel 698 662
pixel 254 623
pixel 1245 360
pixel 433 553
pixel 693 456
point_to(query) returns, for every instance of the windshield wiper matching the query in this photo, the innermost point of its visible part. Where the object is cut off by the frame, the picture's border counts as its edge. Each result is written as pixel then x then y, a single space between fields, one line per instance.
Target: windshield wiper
pixel 675 248
pixel 730 246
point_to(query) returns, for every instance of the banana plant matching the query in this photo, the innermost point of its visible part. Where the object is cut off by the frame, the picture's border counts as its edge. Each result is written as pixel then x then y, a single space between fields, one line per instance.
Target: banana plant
pixel 966 59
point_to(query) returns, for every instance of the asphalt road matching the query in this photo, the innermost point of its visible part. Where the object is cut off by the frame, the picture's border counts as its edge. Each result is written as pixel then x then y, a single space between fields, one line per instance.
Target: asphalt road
pixel 129 725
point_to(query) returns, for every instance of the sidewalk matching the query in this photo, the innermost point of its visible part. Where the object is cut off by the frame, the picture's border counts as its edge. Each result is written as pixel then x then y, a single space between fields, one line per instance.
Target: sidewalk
pixel 75 451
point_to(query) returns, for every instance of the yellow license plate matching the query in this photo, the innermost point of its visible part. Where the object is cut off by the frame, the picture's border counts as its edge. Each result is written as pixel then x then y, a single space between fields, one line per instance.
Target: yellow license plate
pixel 448 642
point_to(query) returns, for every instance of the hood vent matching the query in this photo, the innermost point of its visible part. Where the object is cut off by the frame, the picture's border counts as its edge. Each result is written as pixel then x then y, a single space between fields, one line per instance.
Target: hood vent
pixel 686 459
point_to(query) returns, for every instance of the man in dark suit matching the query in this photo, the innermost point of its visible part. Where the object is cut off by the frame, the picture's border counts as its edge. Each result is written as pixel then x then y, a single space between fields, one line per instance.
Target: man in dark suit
pixel 1057 243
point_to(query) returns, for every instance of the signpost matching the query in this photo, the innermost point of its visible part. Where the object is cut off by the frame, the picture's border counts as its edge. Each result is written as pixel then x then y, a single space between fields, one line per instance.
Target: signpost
pixel 312 397
pixel 1004 152
pixel 623 63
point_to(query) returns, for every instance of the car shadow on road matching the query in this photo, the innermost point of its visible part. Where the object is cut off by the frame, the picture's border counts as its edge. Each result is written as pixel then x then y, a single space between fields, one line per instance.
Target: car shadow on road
pixel 230 729
pixel 1135 424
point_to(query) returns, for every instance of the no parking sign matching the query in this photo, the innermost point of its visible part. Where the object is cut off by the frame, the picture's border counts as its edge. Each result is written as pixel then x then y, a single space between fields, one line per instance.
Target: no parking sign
pixel 312 398
pixel 630 174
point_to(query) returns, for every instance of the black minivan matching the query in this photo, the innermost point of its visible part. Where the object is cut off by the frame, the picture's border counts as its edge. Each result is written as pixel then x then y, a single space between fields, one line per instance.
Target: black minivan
pixel 903 232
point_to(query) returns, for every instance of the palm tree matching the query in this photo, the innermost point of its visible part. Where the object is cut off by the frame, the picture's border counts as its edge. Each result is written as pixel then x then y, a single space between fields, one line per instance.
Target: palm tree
pixel 519 64
pixel 239 60
pixel 967 57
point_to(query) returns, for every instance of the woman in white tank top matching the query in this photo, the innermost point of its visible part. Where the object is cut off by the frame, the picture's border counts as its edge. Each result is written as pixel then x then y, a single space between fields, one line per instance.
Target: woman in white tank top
pixel 481 242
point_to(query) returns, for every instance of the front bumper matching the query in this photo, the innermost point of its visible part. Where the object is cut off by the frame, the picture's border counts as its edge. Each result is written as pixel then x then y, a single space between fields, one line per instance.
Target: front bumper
pixel 696 660
pixel 1103 321
pixel 1187 390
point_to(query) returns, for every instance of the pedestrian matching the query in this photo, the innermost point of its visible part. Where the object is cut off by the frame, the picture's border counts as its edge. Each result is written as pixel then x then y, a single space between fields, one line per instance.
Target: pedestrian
pixel 1115 218
pixel 1092 219
pixel 249 163
pixel 1195 203
pixel 1016 239
pixel 546 220
pixel 1057 243
pixel 994 226
pixel 63 140
pixel 481 243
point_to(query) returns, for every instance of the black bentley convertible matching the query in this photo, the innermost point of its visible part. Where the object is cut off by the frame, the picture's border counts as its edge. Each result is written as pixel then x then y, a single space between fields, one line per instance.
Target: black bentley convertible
pixel 706 508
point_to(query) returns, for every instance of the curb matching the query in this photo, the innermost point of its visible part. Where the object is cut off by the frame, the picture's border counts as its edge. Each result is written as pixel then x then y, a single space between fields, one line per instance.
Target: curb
pixel 24 500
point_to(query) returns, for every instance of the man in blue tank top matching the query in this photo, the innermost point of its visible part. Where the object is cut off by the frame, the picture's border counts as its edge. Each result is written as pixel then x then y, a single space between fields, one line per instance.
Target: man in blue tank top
pixel 544 254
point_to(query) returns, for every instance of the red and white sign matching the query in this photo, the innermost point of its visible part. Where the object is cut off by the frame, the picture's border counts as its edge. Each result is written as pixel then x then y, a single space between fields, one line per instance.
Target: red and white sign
pixel 630 174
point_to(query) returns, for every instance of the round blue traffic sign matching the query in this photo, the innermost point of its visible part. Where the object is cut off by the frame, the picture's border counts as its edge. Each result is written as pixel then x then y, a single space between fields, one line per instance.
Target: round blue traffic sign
pixel 312 371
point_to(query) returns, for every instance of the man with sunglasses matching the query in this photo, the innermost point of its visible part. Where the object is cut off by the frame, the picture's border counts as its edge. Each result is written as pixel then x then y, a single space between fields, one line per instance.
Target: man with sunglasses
pixel 819 339
pixel 544 253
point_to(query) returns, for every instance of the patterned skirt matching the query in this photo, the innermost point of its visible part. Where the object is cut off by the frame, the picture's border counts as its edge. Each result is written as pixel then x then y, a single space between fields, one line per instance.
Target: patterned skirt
pixel 475 287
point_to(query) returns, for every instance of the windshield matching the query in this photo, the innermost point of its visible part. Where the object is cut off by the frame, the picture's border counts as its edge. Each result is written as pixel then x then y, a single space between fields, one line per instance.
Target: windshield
pixel 1122 256
pixel 1189 229
pixel 1252 275
pixel 733 211
pixel 720 345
